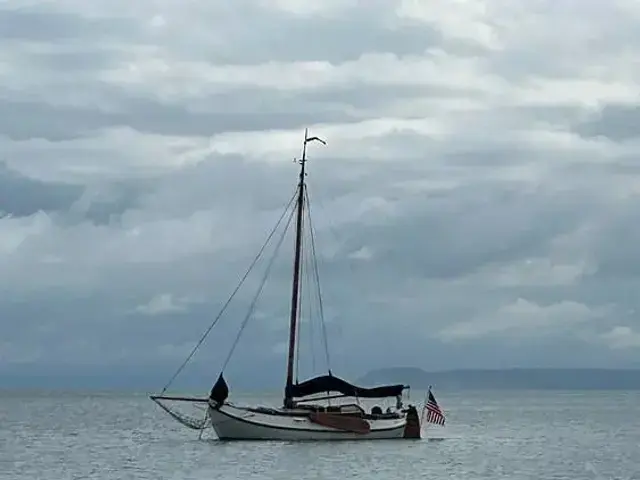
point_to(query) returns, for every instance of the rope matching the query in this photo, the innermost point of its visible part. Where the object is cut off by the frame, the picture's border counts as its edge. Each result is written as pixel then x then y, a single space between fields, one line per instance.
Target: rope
pixel 319 292
pixel 308 273
pixel 204 423
pixel 257 295
pixel 185 420
pixel 215 321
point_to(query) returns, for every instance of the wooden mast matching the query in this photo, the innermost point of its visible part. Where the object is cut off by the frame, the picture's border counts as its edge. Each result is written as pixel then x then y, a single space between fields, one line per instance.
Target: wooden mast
pixel 295 287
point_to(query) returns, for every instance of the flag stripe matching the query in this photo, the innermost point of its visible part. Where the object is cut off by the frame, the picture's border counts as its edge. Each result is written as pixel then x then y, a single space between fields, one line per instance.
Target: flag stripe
pixel 432 412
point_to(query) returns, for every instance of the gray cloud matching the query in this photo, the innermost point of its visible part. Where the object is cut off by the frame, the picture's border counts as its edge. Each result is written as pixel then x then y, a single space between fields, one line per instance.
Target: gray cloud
pixel 23 196
pixel 47 25
pixel 617 122
pixel 474 205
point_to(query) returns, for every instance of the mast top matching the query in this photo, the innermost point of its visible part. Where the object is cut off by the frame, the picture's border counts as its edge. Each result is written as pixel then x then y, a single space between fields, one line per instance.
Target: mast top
pixel 303 160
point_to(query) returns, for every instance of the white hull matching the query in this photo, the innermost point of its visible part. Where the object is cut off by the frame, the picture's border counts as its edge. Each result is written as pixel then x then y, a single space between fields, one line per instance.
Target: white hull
pixel 238 423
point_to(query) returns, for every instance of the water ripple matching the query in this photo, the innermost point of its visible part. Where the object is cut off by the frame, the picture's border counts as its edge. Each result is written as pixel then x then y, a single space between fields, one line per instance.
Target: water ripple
pixel 490 435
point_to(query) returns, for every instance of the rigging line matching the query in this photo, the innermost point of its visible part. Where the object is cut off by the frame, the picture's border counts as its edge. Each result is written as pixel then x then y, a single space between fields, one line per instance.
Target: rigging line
pixel 308 270
pixel 254 302
pixel 233 294
pixel 204 424
pixel 319 291
pixel 308 273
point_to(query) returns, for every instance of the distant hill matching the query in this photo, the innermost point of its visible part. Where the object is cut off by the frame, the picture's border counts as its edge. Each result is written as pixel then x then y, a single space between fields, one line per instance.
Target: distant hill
pixel 525 378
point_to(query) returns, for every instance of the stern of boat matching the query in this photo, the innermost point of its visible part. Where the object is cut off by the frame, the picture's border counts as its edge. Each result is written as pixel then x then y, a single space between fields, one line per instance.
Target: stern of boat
pixel 412 428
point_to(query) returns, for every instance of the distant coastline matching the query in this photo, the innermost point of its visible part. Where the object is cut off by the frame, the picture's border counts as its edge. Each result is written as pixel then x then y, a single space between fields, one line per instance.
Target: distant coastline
pixel 151 380
pixel 516 378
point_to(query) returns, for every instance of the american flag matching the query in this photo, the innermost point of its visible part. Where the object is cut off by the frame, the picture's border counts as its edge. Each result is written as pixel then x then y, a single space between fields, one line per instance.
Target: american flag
pixel 431 411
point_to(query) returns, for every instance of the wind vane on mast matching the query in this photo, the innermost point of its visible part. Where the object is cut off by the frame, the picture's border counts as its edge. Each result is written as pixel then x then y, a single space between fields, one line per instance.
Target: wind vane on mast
pixel 307 139
pixel 311 139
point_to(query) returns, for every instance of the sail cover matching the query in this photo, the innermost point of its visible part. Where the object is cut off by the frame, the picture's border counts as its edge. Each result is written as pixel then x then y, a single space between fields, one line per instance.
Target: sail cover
pixel 329 383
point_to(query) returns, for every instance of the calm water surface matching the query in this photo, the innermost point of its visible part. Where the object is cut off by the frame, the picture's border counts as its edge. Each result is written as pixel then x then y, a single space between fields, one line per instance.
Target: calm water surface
pixel 490 435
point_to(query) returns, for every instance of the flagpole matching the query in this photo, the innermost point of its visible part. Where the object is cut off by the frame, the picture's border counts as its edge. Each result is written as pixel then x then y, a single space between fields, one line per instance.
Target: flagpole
pixel 423 423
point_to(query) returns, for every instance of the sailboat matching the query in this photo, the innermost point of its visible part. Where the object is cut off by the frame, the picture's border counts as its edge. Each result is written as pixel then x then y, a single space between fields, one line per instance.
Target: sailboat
pixel 309 410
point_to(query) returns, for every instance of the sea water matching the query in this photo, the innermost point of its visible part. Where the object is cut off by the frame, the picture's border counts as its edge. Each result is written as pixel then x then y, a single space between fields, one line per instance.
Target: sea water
pixel 541 435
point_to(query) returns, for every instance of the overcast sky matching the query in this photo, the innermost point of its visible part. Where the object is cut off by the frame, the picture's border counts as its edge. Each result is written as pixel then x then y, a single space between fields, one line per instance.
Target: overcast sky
pixel 476 204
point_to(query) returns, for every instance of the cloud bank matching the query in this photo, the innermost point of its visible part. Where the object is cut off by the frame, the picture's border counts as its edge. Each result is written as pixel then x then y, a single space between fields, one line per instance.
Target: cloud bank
pixel 476 204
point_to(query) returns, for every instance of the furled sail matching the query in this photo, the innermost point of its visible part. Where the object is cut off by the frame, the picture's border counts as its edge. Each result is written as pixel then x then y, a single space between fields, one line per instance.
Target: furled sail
pixel 219 391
